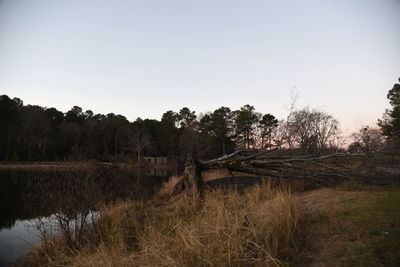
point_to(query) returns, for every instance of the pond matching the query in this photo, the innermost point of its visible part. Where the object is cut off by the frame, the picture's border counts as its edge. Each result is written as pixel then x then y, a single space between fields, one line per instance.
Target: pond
pixel 28 197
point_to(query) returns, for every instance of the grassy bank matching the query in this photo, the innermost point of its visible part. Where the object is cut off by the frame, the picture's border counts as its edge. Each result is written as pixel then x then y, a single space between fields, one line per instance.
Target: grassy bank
pixel 351 225
pixel 257 228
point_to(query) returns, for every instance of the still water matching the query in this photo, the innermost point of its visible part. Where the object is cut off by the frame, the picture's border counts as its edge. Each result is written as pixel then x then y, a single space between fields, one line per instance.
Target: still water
pixel 27 198
pixel 17 239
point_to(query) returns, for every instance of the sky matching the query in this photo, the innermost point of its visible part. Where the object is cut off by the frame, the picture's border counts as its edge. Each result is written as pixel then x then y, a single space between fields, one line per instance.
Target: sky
pixel 142 58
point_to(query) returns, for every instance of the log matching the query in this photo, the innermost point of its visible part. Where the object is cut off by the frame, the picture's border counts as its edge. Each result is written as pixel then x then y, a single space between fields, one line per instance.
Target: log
pixel 338 166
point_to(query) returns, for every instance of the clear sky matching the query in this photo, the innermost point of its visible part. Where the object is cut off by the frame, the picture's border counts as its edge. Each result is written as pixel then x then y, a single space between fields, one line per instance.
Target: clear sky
pixel 142 58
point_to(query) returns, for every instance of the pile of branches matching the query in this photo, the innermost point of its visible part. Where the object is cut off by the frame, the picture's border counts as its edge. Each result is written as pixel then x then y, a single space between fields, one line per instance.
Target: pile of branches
pixel 272 164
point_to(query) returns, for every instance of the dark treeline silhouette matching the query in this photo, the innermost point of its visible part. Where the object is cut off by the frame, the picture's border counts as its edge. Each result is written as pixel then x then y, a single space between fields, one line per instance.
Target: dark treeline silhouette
pixel 390 123
pixel 35 133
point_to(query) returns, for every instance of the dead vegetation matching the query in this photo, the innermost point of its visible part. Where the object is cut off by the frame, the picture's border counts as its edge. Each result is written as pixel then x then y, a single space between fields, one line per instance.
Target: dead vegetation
pixel 255 228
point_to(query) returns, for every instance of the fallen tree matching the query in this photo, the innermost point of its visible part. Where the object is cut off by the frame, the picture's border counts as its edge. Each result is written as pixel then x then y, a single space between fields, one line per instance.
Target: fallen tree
pixel 264 163
pixel 316 170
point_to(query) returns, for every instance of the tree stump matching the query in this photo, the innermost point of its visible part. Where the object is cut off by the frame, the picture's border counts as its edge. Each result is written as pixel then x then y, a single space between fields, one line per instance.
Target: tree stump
pixel 191 176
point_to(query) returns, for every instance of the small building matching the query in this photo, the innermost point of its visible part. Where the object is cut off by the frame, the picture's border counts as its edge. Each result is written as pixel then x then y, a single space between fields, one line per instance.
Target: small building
pixel 156 160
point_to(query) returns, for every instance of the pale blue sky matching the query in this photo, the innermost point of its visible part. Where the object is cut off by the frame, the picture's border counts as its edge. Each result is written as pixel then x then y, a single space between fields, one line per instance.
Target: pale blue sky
pixel 142 58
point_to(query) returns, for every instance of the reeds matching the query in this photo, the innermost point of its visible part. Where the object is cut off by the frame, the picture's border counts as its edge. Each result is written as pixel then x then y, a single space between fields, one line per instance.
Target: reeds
pixel 254 228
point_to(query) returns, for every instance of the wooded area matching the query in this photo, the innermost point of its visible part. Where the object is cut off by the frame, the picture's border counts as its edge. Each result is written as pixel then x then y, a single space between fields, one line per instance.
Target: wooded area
pixel 35 133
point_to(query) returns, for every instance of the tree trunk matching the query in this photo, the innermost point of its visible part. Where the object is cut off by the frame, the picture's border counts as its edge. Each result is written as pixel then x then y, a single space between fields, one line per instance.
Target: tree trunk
pixel 192 177
pixel 138 146
pixel 115 145
pixel 270 142
pixel 8 144
pixel 44 152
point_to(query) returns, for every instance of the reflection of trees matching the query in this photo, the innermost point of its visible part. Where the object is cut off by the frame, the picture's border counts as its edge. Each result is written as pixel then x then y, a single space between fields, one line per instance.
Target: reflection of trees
pixel 27 195
pixel 71 204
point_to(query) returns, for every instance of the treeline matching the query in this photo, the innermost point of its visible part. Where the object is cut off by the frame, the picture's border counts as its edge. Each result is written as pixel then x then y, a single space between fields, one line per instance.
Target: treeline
pixel 35 133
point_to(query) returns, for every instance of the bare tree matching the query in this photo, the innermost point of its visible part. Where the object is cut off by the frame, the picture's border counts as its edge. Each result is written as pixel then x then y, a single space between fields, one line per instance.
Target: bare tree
pixel 137 138
pixel 279 135
pixel 311 130
pixel 326 129
pixel 367 140
pixel 140 141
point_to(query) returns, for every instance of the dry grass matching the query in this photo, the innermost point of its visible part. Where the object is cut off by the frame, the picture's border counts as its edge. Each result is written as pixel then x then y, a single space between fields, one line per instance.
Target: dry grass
pixel 256 228
pixel 167 190
pixel 225 230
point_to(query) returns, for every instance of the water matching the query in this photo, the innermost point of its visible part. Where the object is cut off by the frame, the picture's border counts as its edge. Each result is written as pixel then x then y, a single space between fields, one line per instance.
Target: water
pixel 26 197
pixel 16 240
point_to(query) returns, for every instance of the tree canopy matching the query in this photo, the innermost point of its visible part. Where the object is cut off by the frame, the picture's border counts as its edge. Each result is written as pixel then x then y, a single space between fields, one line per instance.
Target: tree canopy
pixel 35 133
pixel 390 123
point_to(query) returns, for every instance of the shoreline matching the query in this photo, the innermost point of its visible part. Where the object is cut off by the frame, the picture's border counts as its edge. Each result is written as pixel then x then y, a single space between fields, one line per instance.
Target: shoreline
pixel 76 165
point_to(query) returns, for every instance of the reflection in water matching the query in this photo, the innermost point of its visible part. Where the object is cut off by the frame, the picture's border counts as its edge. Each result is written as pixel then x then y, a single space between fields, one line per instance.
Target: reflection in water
pixel 17 239
pixel 72 195
pixel 157 172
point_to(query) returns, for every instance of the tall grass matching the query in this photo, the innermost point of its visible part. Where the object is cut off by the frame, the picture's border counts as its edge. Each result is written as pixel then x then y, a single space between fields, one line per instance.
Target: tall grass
pixel 255 228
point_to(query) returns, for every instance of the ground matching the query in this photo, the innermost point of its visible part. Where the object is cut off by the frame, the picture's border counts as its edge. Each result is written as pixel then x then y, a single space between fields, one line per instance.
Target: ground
pixel 351 225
